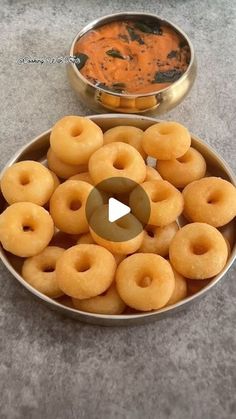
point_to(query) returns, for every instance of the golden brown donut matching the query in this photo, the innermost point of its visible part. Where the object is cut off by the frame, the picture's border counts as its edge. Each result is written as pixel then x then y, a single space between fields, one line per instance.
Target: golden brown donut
pixel 27 181
pixel 85 271
pixel 152 174
pixel 61 169
pixel 157 239
pixel 166 140
pixel 210 200
pixel 25 229
pixel 117 160
pixel 74 139
pixel 107 303
pixel 85 176
pixel 67 206
pixel 166 202
pixel 145 281
pixel 198 251
pixel 126 134
pixel 39 271
pixel 122 228
pixel 180 290
pixel 184 170
pixel 87 239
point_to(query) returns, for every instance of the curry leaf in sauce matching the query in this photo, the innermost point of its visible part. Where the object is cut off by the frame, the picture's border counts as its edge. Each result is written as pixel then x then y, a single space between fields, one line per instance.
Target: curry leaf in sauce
pixel 183 43
pixel 80 60
pixel 169 76
pixel 116 87
pixel 115 53
pixel 172 54
pixel 150 27
pixel 134 36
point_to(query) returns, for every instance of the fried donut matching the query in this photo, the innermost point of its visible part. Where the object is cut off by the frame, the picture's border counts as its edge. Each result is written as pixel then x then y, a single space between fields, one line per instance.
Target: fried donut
pixel 126 134
pixel 61 169
pixel 152 174
pixel 180 289
pixel 166 202
pixel 157 239
pixel 74 139
pixel 67 206
pixel 84 176
pixel 145 281
pixel 166 140
pixel 25 229
pixel 210 200
pixel 107 303
pixel 184 170
pixel 85 271
pixel 27 181
pixel 87 239
pixel 118 233
pixel 198 251
pixel 117 160
pixel 39 271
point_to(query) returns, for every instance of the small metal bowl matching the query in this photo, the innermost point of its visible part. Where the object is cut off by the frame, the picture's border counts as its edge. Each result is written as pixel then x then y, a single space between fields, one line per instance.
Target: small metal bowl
pixel 37 150
pixel 156 103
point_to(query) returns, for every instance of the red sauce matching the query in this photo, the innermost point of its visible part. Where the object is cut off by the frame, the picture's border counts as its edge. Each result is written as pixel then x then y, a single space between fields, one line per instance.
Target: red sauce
pixel 132 56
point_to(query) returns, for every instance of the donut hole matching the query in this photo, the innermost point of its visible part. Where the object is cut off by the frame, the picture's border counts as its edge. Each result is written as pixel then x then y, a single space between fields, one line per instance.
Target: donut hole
pixel 145 282
pixel 200 248
pixel 75 205
pixel 48 269
pixel 213 198
pixel 83 265
pixel 159 195
pixel 76 131
pixel 27 228
pixel 119 163
pixel 24 179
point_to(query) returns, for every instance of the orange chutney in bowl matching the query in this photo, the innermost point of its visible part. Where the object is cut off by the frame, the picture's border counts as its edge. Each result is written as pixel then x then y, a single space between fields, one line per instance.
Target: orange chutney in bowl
pixel 132 57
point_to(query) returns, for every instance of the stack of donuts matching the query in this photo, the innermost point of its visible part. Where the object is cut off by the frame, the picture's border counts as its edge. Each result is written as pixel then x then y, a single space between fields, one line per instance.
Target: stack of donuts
pixel 46 225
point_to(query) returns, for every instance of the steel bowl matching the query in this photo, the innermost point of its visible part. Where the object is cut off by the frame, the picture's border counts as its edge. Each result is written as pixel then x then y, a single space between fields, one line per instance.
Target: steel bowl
pixel 37 149
pixel 156 103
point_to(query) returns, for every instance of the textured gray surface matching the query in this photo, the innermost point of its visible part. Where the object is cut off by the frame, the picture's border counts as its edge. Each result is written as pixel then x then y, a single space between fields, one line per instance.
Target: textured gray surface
pixel 53 367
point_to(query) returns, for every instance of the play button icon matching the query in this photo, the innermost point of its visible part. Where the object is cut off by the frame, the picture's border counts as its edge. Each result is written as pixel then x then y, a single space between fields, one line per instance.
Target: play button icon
pixel 111 213
pixel 116 210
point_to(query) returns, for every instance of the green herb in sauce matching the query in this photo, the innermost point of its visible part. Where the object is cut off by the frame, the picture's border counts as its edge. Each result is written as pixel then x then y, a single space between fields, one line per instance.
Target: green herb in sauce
pixel 115 53
pixel 169 76
pixel 153 28
pixel 80 60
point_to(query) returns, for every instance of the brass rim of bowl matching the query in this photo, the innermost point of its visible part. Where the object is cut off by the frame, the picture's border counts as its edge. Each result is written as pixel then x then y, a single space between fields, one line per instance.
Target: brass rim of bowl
pixel 83 315
pixel 113 17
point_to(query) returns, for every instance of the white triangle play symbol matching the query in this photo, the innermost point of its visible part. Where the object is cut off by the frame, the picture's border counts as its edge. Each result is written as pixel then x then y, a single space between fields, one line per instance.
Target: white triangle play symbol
pixel 116 210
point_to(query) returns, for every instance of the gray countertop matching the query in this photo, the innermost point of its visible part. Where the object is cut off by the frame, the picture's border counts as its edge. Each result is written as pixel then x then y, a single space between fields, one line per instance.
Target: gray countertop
pixel 51 366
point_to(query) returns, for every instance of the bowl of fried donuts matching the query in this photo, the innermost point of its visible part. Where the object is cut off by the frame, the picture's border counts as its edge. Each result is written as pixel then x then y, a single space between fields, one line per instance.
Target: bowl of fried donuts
pixel 48 239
